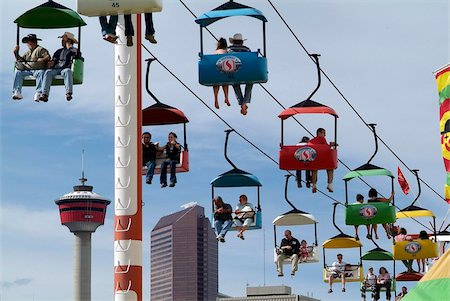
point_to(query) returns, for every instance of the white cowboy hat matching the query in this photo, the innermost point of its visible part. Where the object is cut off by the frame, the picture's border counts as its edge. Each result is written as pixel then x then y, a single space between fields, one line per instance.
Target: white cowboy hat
pixel 236 37
pixel 69 36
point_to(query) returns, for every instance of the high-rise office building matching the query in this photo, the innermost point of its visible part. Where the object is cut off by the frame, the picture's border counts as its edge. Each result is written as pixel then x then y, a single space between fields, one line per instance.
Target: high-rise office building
pixel 184 257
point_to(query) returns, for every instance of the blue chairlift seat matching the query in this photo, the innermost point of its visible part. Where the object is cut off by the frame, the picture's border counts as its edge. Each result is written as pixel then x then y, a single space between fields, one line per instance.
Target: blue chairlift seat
pixel 234 67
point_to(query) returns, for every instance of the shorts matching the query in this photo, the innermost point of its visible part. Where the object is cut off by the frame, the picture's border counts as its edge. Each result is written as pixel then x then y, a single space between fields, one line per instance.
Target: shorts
pixel 336 275
pixel 247 222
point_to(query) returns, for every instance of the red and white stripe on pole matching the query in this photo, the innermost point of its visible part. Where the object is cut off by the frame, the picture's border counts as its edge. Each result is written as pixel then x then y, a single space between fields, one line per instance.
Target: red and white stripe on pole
pixel 127 169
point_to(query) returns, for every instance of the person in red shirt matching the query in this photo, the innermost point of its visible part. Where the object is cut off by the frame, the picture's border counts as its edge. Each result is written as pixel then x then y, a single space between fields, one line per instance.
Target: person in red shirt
pixel 320 139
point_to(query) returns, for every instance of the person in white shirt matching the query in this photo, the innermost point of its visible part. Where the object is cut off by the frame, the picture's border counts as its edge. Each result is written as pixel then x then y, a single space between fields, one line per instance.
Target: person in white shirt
pixel 369 284
pixel 337 271
pixel 245 215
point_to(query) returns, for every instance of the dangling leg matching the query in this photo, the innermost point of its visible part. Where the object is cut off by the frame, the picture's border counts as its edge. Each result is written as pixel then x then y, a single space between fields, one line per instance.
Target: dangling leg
pixel 225 93
pixel 314 180
pixel 149 29
pixel 129 30
pixel 216 96
pixel 330 180
pixel 163 178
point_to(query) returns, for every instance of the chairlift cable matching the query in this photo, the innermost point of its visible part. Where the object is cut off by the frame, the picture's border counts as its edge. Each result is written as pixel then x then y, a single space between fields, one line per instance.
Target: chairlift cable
pixel 346 100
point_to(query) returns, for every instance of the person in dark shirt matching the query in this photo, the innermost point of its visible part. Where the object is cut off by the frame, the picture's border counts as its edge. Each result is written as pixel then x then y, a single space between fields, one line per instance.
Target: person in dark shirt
pixel 222 218
pixel 61 63
pixel 173 150
pixel 237 45
pixel 373 198
pixel 289 249
pixel 149 152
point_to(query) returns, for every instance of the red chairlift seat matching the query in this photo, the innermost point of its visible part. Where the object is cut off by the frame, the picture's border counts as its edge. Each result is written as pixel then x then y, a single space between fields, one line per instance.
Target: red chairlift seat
pixel 308 156
pixel 162 114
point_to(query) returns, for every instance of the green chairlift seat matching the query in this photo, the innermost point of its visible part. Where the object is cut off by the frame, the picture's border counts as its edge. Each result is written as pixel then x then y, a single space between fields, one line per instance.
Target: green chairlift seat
pixel 52 15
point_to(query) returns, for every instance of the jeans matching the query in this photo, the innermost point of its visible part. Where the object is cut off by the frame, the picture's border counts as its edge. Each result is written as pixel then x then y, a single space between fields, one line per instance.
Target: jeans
pixel 108 27
pixel 387 285
pixel 173 169
pixel 150 170
pixel 20 74
pixel 50 73
pixel 408 264
pixel 222 227
pixel 129 29
pixel 247 96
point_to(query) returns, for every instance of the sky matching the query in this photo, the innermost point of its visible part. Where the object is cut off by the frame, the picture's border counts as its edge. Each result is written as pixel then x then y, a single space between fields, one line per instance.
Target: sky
pixel 380 54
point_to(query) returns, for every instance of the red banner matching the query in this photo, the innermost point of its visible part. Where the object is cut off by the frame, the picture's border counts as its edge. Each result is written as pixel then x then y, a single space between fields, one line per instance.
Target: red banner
pixel 402 181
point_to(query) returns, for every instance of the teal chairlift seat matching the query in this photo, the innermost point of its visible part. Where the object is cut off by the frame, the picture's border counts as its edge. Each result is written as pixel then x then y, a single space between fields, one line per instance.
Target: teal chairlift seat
pixel 238 178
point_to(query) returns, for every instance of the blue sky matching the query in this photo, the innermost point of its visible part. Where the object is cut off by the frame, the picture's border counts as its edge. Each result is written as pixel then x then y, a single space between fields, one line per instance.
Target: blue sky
pixel 380 54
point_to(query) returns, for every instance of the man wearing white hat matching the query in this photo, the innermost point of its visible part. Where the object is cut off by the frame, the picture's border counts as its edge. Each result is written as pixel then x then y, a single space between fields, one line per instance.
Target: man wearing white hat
pixel 61 64
pixel 237 45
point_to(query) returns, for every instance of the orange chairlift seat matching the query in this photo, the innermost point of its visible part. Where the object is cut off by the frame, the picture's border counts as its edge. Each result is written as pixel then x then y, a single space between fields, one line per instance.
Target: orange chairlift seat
pixel 308 156
pixel 162 114
pixel 295 217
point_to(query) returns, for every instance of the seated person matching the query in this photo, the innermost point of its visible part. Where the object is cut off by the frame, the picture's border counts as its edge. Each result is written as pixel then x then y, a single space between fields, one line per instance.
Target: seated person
pixel 320 139
pixel 149 152
pixel 304 254
pixel 373 198
pixel 402 236
pixel 383 280
pixel 337 271
pixel 401 294
pixel 360 200
pixel 173 151
pixel 298 173
pixel 222 218
pixel 369 284
pixel 289 249
pixel 61 63
pixel 33 62
pixel 422 236
pixel 245 215
pixel 237 45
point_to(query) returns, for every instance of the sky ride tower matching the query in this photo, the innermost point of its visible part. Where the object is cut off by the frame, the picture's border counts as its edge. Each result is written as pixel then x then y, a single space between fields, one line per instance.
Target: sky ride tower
pixel 82 211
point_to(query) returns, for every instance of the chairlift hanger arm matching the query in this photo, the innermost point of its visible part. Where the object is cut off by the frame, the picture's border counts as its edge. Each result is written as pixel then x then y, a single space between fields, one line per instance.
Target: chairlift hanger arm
pixel 315 58
pixel 372 127
pixel 147 79
pixel 416 173
pixel 286 191
pixel 226 147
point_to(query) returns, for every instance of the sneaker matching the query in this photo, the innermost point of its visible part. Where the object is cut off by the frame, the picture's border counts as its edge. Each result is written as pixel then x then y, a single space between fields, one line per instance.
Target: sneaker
pixel 369 236
pixel 110 38
pixel 299 184
pixel 172 185
pixel 308 184
pixel 69 96
pixel 221 239
pixel 148 181
pixel 129 41
pixel 293 273
pixel 330 187
pixel 343 290
pixel 44 97
pixel 314 188
pixel 17 95
pixel 280 274
pixel 356 237
pixel 163 185
pixel 37 95
pixel 151 38
pixel 330 291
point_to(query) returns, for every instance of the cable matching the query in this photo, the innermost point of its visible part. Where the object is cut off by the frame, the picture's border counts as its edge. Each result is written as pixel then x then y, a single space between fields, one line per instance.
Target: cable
pixel 223 120
pixel 347 101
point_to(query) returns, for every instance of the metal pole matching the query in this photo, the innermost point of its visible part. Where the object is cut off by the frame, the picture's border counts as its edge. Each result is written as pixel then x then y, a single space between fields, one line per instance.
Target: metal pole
pixel 264 38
